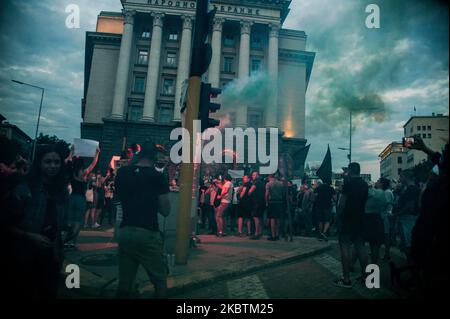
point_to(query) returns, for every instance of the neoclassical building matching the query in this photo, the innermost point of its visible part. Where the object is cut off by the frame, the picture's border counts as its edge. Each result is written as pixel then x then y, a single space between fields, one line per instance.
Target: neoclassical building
pixel 137 60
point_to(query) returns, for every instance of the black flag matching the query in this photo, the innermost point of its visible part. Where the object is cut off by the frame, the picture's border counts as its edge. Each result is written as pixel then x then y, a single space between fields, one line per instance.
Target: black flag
pixel 325 170
pixel 299 157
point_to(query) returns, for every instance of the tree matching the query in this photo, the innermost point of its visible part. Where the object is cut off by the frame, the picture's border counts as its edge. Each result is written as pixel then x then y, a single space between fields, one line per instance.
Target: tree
pixel 47 139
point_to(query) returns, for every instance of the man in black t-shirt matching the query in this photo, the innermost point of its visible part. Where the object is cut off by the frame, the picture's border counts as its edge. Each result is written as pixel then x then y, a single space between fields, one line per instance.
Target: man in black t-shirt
pixel 143 192
pixel 324 204
pixel 350 222
pixel 257 194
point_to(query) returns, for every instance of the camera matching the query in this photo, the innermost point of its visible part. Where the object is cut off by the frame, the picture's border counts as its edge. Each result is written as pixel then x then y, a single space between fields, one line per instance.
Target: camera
pixel 408 142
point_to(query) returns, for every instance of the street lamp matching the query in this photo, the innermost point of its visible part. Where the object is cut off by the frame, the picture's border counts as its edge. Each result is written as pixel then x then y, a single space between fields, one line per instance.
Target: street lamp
pixel 39 116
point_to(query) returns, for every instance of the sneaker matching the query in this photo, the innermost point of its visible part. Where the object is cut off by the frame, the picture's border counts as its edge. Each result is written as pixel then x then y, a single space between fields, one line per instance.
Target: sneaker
pixel 343 284
pixel 323 237
pixel 96 225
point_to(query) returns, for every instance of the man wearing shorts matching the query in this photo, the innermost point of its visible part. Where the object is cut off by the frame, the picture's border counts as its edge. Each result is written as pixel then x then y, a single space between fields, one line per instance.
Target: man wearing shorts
pixel 350 222
pixel 257 193
pixel 143 192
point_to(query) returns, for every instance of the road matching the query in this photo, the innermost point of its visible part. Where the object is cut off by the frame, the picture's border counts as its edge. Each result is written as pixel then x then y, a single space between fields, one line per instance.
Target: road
pixel 311 278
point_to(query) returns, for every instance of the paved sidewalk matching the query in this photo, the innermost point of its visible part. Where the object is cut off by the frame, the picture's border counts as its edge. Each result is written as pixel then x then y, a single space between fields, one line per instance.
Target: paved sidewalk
pixel 212 260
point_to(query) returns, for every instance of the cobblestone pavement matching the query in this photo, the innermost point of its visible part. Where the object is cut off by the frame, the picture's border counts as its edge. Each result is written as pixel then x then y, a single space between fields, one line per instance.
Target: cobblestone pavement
pixel 311 278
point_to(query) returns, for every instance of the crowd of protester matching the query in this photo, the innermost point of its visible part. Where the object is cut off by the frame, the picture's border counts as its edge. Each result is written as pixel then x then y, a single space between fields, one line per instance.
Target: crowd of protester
pixel 45 204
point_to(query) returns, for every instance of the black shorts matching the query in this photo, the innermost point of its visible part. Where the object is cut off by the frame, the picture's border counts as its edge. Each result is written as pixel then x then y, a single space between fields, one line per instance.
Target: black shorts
pixel 275 210
pixel 324 215
pixel 89 205
pixel 100 203
pixel 351 233
pixel 244 211
pixel 258 210
pixel 373 229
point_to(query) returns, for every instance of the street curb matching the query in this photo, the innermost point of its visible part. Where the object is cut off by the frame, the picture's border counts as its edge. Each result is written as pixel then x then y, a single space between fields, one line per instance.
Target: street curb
pixel 235 274
pixel 173 291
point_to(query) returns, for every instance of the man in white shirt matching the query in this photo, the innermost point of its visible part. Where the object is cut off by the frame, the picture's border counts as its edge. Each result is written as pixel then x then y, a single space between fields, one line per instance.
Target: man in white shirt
pixel 226 196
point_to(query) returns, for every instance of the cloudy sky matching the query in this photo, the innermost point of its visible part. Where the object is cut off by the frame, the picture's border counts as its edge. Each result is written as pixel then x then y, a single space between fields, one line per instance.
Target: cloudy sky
pixel 380 74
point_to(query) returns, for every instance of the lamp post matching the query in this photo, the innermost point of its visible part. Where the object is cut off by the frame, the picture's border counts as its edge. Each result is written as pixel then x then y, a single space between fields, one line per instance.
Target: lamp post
pixel 39 115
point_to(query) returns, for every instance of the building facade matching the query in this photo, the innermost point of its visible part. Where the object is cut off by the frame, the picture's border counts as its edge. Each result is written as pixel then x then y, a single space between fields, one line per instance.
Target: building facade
pixel 14 133
pixel 434 132
pixel 137 60
pixel 393 160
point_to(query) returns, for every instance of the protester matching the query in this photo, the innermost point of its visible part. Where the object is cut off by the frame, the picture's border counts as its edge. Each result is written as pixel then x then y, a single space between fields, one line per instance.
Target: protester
pixel 212 193
pixel 430 238
pixel 373 220
pixel 100 203
pixel 244 206
pixel 274 200
pixel 45 201
pixel 234 208
pixel 387 216
pixel 225 204
pixel 109 196
pixel 307 207
pixel 408 209
pixel 257 193
pixel 323 206
pixel 143 192
pixel 350 220
pixel 78 178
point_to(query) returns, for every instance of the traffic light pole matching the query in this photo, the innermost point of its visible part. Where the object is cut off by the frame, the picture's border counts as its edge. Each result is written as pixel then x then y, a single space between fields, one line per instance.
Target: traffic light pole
pixel 187 187
pixel 187 192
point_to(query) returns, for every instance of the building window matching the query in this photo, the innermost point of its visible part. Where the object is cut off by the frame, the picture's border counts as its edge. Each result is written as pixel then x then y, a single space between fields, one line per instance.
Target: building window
pixel 168 87
pixel 418 127
pixel 424 128
pixel 171 59
pixel 145 34
pixel 429 135
pixel 228 65
pixel 256 42
pixel 429 127
pixel 165 114
pixel 229 40
pixel 139 84
pixel 173 35
pixel 399 160
pixel 254 119
pixel 135 112
pixel 256 65
pixel 142 57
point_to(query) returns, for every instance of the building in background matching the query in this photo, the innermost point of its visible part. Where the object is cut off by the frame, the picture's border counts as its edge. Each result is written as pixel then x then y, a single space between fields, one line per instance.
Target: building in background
pixel 393 160
pixel 136 62
pixel 15 134
pixel 434 132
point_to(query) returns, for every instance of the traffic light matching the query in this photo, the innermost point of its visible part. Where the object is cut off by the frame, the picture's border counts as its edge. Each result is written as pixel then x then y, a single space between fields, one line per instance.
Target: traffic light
pixel 206 106
pixel 202 51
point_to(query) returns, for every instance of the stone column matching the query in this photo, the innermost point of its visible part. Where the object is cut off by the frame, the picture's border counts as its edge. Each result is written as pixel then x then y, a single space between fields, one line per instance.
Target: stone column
pixel 244 68
pixel 123 67
pixel 183 63
pixel 216 43
pixel 272 107
pixel 151 87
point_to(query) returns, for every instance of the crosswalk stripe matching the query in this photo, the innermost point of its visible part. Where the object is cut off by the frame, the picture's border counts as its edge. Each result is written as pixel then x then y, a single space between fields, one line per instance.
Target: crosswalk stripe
pixel 334 266
pixel 249 287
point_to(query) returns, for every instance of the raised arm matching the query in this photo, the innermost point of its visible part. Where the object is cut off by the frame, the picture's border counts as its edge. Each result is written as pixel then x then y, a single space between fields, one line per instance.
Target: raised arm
pixel 69 158
pixel 88 170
